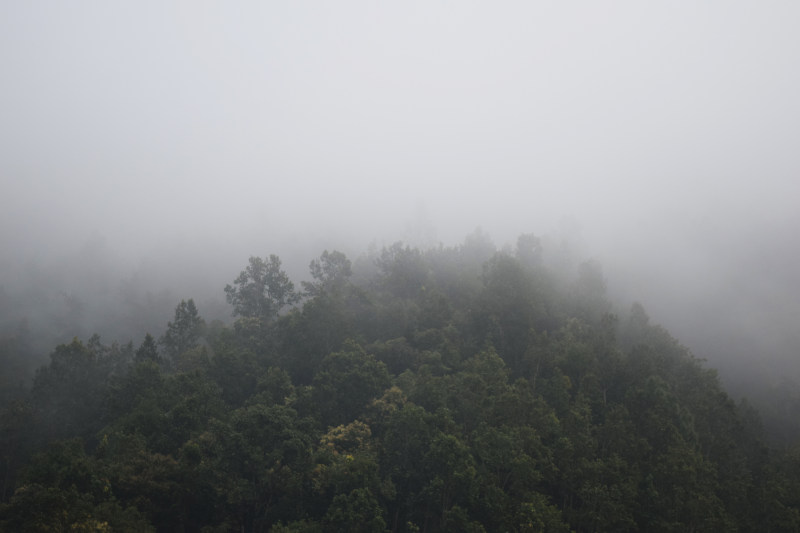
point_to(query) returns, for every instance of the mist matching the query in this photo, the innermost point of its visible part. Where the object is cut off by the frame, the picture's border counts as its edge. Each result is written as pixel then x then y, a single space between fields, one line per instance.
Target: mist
pixel 148 150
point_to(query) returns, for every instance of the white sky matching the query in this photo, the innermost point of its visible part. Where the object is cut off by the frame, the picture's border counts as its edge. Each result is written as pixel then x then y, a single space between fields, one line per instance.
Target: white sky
pixel 670 131
pixel 147 120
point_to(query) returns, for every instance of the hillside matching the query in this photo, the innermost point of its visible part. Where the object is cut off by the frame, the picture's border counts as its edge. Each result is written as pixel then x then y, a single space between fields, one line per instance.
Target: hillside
pixel 450 389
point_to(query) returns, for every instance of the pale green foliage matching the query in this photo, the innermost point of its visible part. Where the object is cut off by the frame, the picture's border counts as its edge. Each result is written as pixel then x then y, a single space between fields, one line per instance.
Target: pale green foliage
pixel 184 332
pixel 261 290
pixel 330 272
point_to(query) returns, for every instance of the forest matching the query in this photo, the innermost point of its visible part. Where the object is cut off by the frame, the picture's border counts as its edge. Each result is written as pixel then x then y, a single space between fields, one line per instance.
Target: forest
pixel 455 388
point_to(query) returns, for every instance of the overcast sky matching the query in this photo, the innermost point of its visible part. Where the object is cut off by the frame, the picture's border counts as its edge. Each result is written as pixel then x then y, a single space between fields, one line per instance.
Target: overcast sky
pixel 667 133
pixel 154 120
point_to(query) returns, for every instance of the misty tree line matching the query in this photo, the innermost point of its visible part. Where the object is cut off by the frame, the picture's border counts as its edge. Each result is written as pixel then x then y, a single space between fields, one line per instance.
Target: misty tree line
pixel 451 389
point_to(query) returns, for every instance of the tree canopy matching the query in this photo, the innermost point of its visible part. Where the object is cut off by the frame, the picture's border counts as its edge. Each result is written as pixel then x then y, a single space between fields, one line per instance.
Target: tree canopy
pixel 452 389
pixel 261 290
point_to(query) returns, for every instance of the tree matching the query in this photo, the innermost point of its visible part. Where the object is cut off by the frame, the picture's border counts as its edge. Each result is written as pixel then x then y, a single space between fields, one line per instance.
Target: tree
pixel 14 442
pixel 184 332
pixel 589 293
pixel 451 471
pixel 403 270
pixel 529 250
pixel 357 511
pixel 509 306
pixel 62 490
pixel 518 405
pixel 148 351
pixel 67 394
pixel 326 319
pixel 261 290
pixel 330 272
pixel 260 458
pixel 347 460
pixel 346 382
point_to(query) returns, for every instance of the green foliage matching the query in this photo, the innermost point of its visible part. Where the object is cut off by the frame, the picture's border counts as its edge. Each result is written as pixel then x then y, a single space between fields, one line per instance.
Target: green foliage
pixel 183 333
pixel 306 337
pixel 15 437
pixel 330 272
pixel 63 490
pixel 237 373
pixel 165 410
pixel 16 360
pixel 783 511
pixel 403 270
pixel 261 290
pixel 589 293
pixel 479 395
pixel 355 512
pixel 68 394
pixel 346 382
pixel 529 250
pixel 508 308
pixel 148 351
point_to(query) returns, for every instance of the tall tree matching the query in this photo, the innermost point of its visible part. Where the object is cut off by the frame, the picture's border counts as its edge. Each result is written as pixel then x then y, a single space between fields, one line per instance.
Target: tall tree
pixel 330 272
pixel 346 382
pixel 403 269
pixel 148 350
pixel 184 331
pixel 261 290
pixel 67 394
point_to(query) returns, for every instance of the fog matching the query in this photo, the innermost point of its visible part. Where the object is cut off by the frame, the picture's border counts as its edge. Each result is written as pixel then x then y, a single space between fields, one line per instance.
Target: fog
pixel 147 149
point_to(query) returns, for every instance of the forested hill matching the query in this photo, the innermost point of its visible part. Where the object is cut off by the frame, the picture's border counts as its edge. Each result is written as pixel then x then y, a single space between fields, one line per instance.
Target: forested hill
pixel 453 389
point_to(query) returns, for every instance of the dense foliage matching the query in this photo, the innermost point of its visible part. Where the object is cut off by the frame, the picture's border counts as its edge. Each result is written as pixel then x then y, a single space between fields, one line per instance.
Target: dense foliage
pixel 452 389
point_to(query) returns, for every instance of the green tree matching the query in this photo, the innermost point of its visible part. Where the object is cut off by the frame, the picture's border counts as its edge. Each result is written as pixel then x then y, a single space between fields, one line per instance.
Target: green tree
pixel 519 404
pixel 783 489
pixel 166 411
pixel 15 429
pixel 355 512
pixel 403 270
pixel 64 490
pixel 237 373
pixel 261 460
pixel 405 432
pixel 511 303
pixel 184 332
pixel 137 476
pixel 261 290
pixel 588 294
pixel 330 272
pixel 326 319
pixel 451 471
pixel 529 250
pixel 148 350
pixel 68 393
pixel 347 461
pixel 346 382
